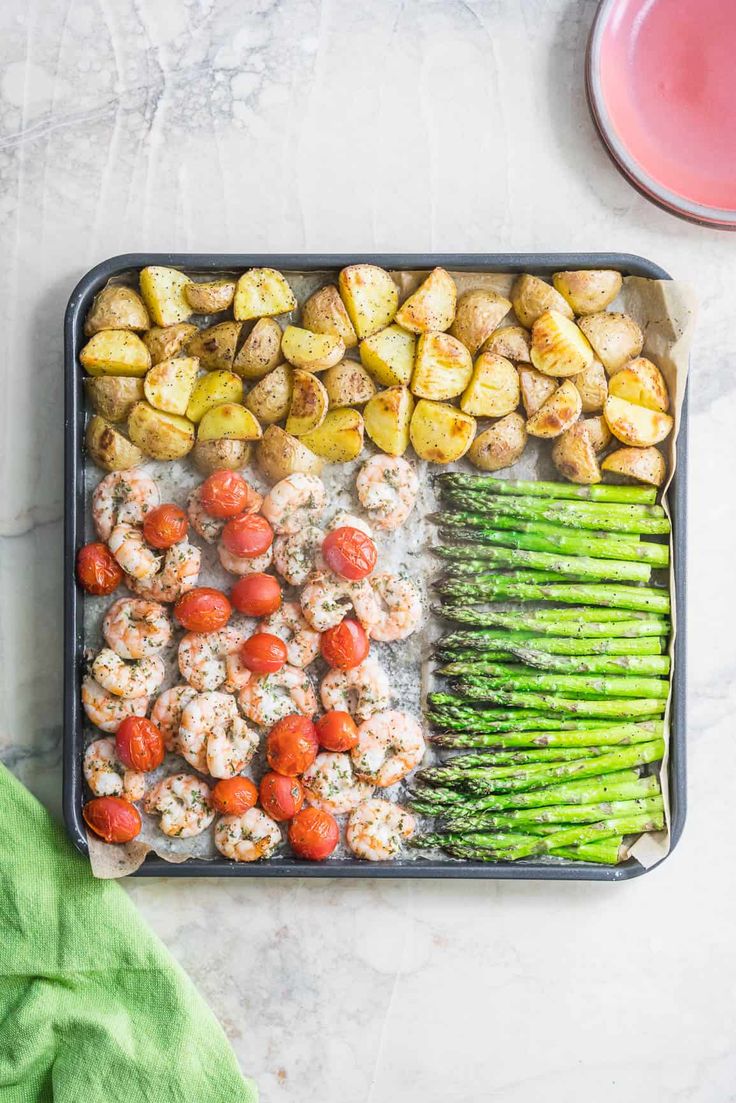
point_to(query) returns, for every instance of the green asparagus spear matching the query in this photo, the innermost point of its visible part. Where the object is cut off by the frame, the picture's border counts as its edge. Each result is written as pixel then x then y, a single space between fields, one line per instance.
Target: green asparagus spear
pixel 618 735
pixel 578 621
pixel 521 818
pixel 638 707
pixel 624 785
pixel 464 644
pixel 581 664
pixel 597 493
pixel 524 756
pixel 607 852
pixel 465 561
pixel 579 515
pixel 514 676
pixel 494 587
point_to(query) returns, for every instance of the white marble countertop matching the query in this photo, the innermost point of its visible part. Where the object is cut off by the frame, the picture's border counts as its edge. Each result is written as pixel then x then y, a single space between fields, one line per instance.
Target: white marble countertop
pixel 402 125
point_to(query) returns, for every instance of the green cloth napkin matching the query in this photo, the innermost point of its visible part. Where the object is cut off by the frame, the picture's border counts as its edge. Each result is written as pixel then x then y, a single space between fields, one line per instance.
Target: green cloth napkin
pixel 92 1006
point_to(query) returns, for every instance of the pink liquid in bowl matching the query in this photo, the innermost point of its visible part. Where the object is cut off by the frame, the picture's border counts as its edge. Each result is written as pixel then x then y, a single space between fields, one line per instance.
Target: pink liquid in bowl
pixel 668 79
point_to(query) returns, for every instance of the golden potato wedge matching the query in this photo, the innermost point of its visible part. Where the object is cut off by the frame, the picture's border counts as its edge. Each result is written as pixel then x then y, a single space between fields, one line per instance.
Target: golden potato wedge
pixel 210 297
pixel 574 456
pixel 587 292
pixel 513 342
pixel 113 396
pixel 311 351
pixel 339 438
pixel 558 413
pixel 215 346
pixel 643 465
pixel 370 296
pixel 109 449
pixel 222 454
pixel 309 403
pixel 442 367
pixel 501 445
pixel 558 347
pixel 593 386
pixel 493 390
pixel 636 426
pixel 440 433
pixel 599 433
pixel 261 350
pixel 387 417
pixel 535 389
pixel 389 355
pixel 642 383
pixel 532 297
pixel 115 352
pixel 169 385
pixel 260 293
pixel 270 399
pixel 212 390
pixel 230 421
pixel 348 384
pixel 616 338
pixel 164 293
pixel 165 341
pixel 432 306
pixel 477 314
pixel 278 454
pixel 324 312
pixel 160 435
pixel 116 307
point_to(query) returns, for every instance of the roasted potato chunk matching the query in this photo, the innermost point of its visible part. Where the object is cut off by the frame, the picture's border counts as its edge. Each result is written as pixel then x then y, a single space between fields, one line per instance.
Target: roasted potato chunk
pixel 513 342
pixel 636 426
pixel 588 291
pixel 558 346
pixel 389 355
pixel 616 338
pixel 499 446
pixel 593 386
pixel 115 352
pixel 212 390
pixel 642 383
pixel 574 456
pixel 309 403
pixel 558 413
pixel 535 389
pixel 532 297
pixel 311 351
pixel 432 306
pixel 168 386
pixel 270 399
pixel 215 346
pixel 324 312
pixel 476 316
pixel 116 307
pixel 493 390
pixel 278 454
pixel 387 417
pixel 599 433
pixel 160 435
pixel 370 296
pixel 643 465
pixel 348 384
pixel 164 342
pixel 230 421
pixel 339 438
pixel 109 449
pixel 260 352
pixel 440 433
pixel 223 454
pixel 164 293
pixel 260 293
pixel 113 396
pixel 442 368
pixel 210 297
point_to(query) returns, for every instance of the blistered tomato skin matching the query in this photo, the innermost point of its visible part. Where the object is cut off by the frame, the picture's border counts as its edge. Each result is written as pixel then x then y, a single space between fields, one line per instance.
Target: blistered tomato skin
pixel 226 494
pixel 98 572
pixel 313 834
pixel 281 797
pixel 203 610
pixel 349 552
pixel 346 645
pixel 263 653
pixel 139 744
pixel 247 536
pixel 256 595
pixel 337 731
pixel 234 796
pixel 165 526
pixel 115 820
pixel 291 745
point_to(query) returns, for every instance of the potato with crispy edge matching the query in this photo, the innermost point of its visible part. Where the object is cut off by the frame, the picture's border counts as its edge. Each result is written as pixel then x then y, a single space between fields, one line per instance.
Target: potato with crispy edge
pixel 116 307
pixel 229 421
pixel 215 346
pixel 160 435
pixel 558 413
pixel 311 351
pixel 643 465
pixel 169 385
pixel 163 291
pixel 513 342
pixel 477 314
pixel 558 346
pixel 109 449
pixel 339 438
pixel 442 367
pixel 309 403
pixel 279 454
pixel 532 297
pixel 636 426
pixel 324 312
pixel 260 293
pixel 642 383
pixel 387 418
pixel 432 306
pixel 499 446
pixel 440 433
pixel 210 297
pixel 593 386
pixel 348 384
pixel 115 352
pixel 370 296
pixel 212 390
pixel 599 433
pixel 574 456
pixel 270 399
pixel 164 342
pixel 493 390
pixel 389 355
pixel 113 396
pixel 260 352
pixel 535 389
pixel 221 455
pixel 615 338
pixel 590 290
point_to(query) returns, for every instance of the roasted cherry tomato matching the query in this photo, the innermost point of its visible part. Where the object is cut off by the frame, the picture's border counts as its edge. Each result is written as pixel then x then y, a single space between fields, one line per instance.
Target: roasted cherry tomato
pixel 256 595
pixel 345 645
pixel 203 610
pixel 98 572
pixel 281 797
pixel 291 745
pixel 226 494
pixel 349 552
pixel 139 744
pixel 115 820
pixel 313 834
pixel 247 536
pixel 233 796
pixel 165 526
pixel 337 731
pixel 263 653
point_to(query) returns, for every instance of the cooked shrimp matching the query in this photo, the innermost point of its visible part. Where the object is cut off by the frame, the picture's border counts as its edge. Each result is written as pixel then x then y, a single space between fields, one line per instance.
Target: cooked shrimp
pixel 202 656
pixel 390 744
pixel 296 555
pixel 213 737
pixel 400 603
pixel 134 628
pixel 107 711
pixel 270 697
pixel 178 574
pixel 240 564
pixel 376 828
pixel 167 710
pixel 290 625
pixel 387 487
pixel 361 691
pixel 206 526
pixel 330 783
pixel 106 775
pixel 295 502
pixel 122 496
pixel 139 678
pixel 184 804
pixel 325 600
pixel 248 837
pixel 132 552
pixel 237 675
pixel 349 520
